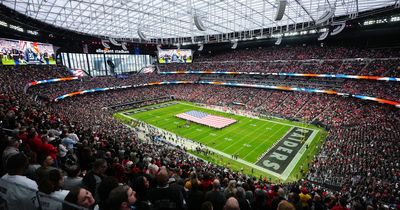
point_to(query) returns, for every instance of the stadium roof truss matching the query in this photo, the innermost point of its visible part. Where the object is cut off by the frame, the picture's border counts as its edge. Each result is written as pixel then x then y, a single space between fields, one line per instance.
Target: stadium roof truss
pixel 172 21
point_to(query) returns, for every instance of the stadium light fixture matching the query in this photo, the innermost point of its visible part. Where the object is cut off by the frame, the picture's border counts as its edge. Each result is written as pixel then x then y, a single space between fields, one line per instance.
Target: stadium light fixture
pixel 281 9
pixel 201 46
pixel 235 43
pixel 105 44
pixel 339 28
pixel 199 23
pixel 325 16
pixel 323 35
pixel 141 35
pixel 123 44
pixel 278 41
pixel 114 42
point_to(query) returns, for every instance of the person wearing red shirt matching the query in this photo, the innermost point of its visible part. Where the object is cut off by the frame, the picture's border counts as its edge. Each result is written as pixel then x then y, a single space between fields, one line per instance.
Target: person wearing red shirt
pixel 48 149
pixel 341 205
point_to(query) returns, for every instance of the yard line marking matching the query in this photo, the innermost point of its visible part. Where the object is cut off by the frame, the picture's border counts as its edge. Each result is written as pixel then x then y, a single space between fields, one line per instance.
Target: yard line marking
pixel 271 145
pixel 238 140
pixel 237 133
pixel 256 139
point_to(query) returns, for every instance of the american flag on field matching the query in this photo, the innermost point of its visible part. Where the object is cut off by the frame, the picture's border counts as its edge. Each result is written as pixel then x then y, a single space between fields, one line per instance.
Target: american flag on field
pixel 206 119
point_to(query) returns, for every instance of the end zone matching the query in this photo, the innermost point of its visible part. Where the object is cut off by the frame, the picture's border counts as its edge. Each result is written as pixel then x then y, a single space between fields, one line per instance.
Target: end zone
pixel 284 155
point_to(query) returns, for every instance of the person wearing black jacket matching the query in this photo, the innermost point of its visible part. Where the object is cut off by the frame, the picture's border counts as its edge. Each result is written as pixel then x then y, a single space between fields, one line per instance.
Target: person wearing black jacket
pixel 164 197
pixel 215 196
pixel 93 178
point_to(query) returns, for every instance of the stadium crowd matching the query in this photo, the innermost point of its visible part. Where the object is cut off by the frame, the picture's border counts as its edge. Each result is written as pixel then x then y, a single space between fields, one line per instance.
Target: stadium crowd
pixel 75 151
pixel 367 66
pixel 300 53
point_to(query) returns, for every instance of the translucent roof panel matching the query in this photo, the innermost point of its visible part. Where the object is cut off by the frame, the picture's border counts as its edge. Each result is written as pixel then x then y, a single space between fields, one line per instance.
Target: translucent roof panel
pixel 175 18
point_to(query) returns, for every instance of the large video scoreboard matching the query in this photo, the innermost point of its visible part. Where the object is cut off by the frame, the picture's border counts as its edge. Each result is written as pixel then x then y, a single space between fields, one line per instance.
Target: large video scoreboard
pixel 175 56
pixel 20 52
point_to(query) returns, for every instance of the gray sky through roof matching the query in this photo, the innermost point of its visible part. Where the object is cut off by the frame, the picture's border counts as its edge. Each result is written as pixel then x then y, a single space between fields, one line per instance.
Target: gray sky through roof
pixel 174 18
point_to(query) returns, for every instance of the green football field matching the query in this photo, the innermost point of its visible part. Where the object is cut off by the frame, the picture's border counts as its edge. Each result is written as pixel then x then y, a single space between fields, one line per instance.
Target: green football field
pixel 248 138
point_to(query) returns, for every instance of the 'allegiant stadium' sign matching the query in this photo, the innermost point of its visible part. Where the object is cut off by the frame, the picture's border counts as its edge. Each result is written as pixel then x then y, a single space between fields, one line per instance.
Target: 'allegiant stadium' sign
pixel 109 51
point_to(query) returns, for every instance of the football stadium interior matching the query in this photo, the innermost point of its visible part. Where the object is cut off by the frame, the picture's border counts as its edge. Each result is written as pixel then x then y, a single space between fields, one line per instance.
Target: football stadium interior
pixel 199 105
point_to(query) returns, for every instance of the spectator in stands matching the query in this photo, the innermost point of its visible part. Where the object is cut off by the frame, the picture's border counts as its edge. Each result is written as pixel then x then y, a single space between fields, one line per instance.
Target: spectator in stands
pixel 284 205
pixel 230 190
pixel 48 149
pixel 207 206
pixel 318 204
pixel 69 140
pixel 276 200
pixel 215 196
pixel 93 178
pixel 195 196
pixel 305 198
pixel 164 197
pixel 121 198
pixel 260 200
pixel 52 185
pixel 105 187
pixel 231 204
pixel 141 186
pixel 17 189
pixel 341 205
pixel 244 204
pixel 72 180
pixel 80 197
pixel 33 165
pixel 10 150
pixel 46 162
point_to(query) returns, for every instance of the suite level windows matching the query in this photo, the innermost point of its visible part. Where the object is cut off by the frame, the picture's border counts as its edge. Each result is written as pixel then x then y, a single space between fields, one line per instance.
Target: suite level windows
pixel 18 28
pixel 383 20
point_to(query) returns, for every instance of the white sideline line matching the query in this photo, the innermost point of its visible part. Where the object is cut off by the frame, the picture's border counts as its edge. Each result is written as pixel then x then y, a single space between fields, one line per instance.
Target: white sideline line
pixel 262 145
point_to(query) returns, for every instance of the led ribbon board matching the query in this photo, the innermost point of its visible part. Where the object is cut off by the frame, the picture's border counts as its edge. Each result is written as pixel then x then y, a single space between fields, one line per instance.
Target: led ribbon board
pixel 340 76
pixel 46 81
pixel 234 84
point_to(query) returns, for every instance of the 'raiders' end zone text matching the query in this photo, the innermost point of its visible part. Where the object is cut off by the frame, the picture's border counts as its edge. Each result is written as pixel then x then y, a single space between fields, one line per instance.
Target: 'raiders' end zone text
pixel 283 152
